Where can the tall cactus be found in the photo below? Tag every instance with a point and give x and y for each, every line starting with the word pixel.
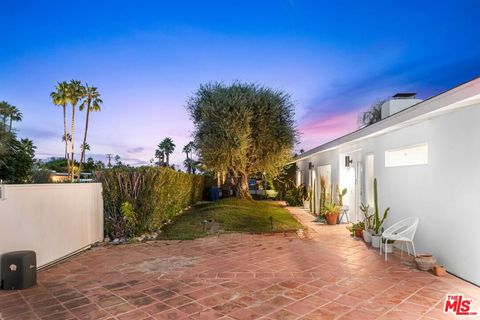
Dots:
pixel 377 223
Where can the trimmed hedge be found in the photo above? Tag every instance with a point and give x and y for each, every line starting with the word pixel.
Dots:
pixel 138 200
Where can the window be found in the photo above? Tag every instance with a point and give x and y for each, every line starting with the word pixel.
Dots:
pixel 407 156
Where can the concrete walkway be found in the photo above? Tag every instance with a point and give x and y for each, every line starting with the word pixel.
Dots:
pixel 320 274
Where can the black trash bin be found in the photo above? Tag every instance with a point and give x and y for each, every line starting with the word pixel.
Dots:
pixel 18 270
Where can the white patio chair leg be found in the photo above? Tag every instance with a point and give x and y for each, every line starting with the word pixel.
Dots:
pixel 401 250
pixel 413 247
pixel 408 248
pixel 386 243
pixel 380 246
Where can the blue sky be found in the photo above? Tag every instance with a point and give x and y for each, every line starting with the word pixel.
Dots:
pixel 147 57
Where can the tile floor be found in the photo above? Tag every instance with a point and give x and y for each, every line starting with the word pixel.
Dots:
pixel 322 273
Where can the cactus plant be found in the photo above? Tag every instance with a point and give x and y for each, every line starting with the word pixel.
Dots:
pixel 377 222
pixel 341 194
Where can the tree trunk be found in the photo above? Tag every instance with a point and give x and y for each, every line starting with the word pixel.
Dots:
pixel 168 159
pixel 65 136
pixel 82 156
pixel 242 187
pixel 10 127
pixel 73 147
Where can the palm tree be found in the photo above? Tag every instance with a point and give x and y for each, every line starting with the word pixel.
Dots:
pixel 167 146
pixel 15 115
pixel 4 112
pixel 60 98
pixel 66 139
pixel 75 93
pixel 91 102
pixel 188 150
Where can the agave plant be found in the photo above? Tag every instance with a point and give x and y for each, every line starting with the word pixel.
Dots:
pixel 330 208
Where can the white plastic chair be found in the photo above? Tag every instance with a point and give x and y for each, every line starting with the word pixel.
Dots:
pixel 404 231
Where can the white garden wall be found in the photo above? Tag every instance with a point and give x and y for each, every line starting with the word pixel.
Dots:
pixel 54 220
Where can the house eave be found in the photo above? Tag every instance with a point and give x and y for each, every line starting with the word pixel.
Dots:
pixel 462 95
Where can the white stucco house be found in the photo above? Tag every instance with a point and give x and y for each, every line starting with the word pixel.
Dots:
pixel 425 156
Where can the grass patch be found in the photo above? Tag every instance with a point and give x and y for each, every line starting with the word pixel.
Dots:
pixel 231 215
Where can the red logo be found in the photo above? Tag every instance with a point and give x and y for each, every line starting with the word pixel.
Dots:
pixel 458 305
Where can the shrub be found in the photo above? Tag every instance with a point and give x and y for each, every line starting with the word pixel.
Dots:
pixel 138 200
pixel 295 197
pixel 41 176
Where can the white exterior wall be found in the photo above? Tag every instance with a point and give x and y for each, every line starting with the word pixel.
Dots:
pixel 444 194
pixel 54 220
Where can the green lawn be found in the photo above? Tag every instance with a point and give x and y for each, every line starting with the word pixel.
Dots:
pixel 231 215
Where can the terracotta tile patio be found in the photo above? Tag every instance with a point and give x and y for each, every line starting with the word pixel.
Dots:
pixel 320 274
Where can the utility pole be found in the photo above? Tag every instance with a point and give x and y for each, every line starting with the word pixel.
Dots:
pixel 109 157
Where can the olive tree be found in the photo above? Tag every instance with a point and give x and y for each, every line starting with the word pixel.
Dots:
pixel 243 129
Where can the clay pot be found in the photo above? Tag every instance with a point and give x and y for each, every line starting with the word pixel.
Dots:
pixel 439 271
pixel 331 218
pixel 425 261
pixel 359 233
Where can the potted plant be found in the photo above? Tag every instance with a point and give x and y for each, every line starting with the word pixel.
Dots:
pixel 368 222
pixel 357 229
pixel 389 245
pixel 331 211
pixel 377 222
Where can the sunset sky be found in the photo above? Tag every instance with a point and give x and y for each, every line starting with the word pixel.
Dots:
pixel 147 58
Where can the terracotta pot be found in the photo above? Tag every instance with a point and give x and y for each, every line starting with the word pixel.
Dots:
pixel 425 261
pixel 439 271
pixel 331 218
pixel 359 233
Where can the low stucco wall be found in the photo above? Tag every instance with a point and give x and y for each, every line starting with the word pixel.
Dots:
pixel 54 220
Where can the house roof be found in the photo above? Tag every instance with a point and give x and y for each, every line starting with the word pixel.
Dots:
pixel 462 95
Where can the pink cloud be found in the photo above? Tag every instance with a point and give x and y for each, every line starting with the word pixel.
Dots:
pixel 319 131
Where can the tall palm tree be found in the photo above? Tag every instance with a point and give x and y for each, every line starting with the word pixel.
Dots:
pixel 75 94
pixel 167 146
pixel 4 110
pixel 92 103
pixel 60 98
pixel 188 150
pixel 66 139
pixel 15 115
